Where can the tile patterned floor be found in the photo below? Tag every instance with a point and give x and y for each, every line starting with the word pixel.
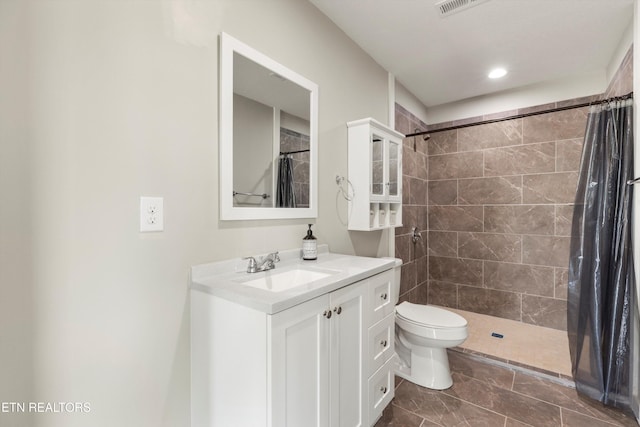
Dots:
pixel 486 394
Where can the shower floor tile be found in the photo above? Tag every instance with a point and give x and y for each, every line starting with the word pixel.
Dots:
pixel 537 347
pixel 492 395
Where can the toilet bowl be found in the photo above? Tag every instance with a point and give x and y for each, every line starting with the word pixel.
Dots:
pixel 423 334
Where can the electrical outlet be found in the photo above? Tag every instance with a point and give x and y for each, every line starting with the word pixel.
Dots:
pixel 151 214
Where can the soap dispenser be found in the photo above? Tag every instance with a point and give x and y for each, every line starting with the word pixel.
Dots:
pixel 309 245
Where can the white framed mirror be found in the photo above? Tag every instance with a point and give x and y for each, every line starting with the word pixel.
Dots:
pixel 268 133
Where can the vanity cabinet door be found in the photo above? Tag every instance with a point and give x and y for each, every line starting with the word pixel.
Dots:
pixel 348 379
pixel 299 364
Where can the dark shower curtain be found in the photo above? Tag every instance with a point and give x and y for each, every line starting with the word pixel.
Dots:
pixel 601 276
pixel 285 194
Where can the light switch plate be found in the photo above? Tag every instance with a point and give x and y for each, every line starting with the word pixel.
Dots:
pixel 151 214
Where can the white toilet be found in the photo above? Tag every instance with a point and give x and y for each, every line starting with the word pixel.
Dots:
pixel 423 334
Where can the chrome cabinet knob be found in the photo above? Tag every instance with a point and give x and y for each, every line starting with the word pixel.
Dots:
pixel 327 314
pixel 338 310
pixel 383 389
pixel 383 343
pixel 383 296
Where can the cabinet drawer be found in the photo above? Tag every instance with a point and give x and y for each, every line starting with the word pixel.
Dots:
pixel 381 390
pixel 380 296
pixel 381 343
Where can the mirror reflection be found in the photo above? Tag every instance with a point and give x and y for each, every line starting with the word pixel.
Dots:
pixel 270 138
pixel 270 151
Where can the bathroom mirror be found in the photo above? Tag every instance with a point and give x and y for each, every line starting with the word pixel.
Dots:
pixel 268 137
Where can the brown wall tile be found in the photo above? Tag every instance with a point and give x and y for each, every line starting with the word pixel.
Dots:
pixel 561 283
pixel 458 165
pixel 443 142
pixel 455 218
pixel 549 188
pixel 568 155
pixel 499 134
pixel 443 244
pixel 443 294
pixel 456 270
pixel 498 190
pixel 522 278
pixel 443 192
pixel 521 219
pixel 564 217
pixel 409 166
pixel 403 248
pixel 422 270
pixel 526 159
pixel 494 247
pixel 409 219
pixel 417 191
pixel 406 188
pixel 407 277
pixel 546 250
pixel 566 124
pixel 489 301
pixel 547 312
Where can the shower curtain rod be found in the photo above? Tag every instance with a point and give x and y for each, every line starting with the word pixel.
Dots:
pixel 294 152
pixel 520 116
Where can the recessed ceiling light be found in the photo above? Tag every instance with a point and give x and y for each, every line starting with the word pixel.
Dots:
pixel 496 73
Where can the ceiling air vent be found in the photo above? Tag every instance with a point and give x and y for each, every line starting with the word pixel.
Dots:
pixel 449 7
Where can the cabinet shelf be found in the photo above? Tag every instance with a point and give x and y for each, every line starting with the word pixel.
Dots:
pixel 375 171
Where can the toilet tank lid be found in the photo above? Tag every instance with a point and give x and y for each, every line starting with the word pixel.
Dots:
pixel 430 315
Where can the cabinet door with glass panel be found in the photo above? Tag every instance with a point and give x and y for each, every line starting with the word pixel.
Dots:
pixel 385 168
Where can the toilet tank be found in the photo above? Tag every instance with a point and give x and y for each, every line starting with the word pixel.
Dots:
pixel 397 269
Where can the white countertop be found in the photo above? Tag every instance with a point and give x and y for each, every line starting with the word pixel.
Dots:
pixel 223 279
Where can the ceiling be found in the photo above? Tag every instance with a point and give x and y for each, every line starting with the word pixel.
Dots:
pixel 446 59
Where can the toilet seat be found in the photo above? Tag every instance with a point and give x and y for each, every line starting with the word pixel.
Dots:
pixel 429 316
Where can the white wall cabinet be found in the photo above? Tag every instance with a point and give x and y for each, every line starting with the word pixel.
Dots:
pixel 314 364
pixel 375 171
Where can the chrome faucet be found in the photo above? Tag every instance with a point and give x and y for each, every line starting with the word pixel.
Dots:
pixel 265 263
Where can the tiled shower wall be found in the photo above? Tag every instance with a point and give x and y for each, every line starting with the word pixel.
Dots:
pixel 499 210
pixel 294 141
pixel 498 203
pixel 493 203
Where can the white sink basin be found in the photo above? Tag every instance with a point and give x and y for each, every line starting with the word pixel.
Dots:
pixel 275 281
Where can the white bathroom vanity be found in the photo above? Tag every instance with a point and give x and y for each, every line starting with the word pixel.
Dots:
pixel 309 343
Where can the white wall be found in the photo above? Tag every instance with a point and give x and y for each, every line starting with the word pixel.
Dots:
pixel 591 83
pixel 410 102
pixel 252 151
pixel 577 86
pixel 17 312
pixel 104 101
